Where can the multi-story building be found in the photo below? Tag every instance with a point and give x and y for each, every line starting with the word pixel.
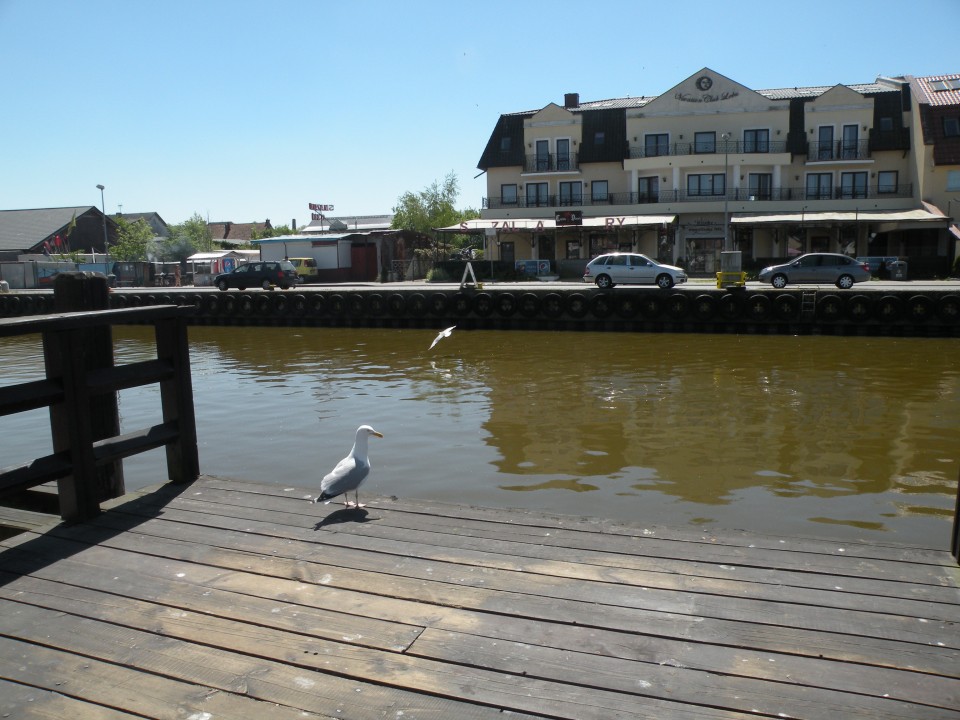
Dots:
pixel 711 165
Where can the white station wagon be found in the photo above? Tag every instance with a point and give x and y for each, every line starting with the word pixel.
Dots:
pixel 631 269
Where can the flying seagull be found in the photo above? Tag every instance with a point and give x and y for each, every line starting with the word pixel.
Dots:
pixel 443 333
pixel 349 472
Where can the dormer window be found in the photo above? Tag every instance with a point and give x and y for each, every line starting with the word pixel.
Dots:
pixel 599 137
pixel 505 144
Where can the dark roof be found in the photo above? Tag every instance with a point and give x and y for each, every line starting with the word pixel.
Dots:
pixel 21 230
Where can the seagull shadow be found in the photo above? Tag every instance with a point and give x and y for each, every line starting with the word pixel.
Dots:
pixel 345 515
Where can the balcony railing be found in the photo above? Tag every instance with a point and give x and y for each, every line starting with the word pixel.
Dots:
pixel 551 162
pixel 779 194
pixel 838 150
pixel 721 147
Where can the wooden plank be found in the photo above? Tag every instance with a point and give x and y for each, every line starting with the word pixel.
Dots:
pixel 678 621
pixel 116 448
pixel 289 670
pixel 26 702
pixel 773 699
pixel 29 396
pixel 36 472
pixel 476 692
pixel 25 519
pixel 53 322
pixel 497 554
pixel 127 689
pixel 122 377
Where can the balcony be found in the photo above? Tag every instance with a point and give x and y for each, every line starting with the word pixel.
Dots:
pixel 838 150
pixel 721 147
pixel 780 194
pixel 552 162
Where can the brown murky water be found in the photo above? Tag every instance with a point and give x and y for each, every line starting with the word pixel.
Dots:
pixel 835 437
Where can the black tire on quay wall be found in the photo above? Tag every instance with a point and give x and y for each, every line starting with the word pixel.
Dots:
pixel 859 308
pixel 483 304
pixel 704 307
pixel 336 305
pixel 460 305
pixel 263 304
pixel 437 304
pixel 356 304
pixel 552 305
pixel 318 304
pixel 212 304
pixel 650 306
pixel 757 307
pixel 786 307
pixel 529 305
pixel 298 305
pixel 830 308
pixel 397 304
pixel 729 306
pixel 948 309
pixel 626 305
pixel 280 305
pixel 375 304
pixel 245 305
pixel 601 306
pixel 889 308
pixel 506 304
pixel 922 308
pixel 229 305
pixel 577 305
pixel 417 305
pixel 678 306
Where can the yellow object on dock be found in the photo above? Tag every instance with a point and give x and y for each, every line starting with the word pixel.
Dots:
pixel 731 279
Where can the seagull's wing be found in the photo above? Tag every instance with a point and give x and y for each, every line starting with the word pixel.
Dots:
pixel 437 339
pixel 346 476
pixel 443 333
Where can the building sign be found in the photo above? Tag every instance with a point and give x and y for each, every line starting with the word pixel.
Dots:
pixel 568 217
pixel 704 83
pixel 318 210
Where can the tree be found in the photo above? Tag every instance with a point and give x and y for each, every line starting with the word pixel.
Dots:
pixel 187 238
pixel 271 232
pixel 432 207
pixel 134 240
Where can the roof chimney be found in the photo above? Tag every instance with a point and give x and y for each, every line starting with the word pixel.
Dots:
pixel 571 100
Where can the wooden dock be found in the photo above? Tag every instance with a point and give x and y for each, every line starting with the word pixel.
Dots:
pixel 227 599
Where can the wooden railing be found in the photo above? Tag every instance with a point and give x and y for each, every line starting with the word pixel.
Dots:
pixel 80 388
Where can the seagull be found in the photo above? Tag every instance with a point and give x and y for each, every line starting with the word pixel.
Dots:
pixel 442 335
pixel 349 472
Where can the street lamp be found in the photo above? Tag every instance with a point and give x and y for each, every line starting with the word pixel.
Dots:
pixel 103 210
pixel 726 194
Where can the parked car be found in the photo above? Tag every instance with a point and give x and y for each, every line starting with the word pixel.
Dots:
pixel 264 274
pixel 306 269
pixel 840 270
pixel 631 269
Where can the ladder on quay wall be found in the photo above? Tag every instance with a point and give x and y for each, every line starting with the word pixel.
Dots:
pixel 808 305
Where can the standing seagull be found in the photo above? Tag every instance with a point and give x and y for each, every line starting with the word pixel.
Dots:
pixel 443 333
pixel 349 472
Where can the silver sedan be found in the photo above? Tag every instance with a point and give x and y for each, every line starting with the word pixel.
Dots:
pixel 820 268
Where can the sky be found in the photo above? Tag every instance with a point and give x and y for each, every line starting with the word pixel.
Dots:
pixel 245 111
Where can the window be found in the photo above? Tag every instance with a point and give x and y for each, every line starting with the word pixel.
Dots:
pixel 656 145
pixel 543 155
pixel 649 190
pixel 851 138
pixel 599 137
pixel 819 186
pixel 705 142
pixel 504 144
pixel 571 193
pixel 886 124
pixel 598 191
pixel 760 186
pixel 756 141
pixel 953 180
pixel 508 194
pixel 698 185
pixel 951 126
pixel 887 181
pixel 825 143
pixel 853 185
pixel 949 84
pixel 563 154
pixel 537 195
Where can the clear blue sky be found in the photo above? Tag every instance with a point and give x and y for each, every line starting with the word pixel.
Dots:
pixel 242 110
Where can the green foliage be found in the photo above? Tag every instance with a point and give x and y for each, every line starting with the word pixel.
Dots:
pixel 438 274
pixel 433 207
pixel 134 240
pixel 189 237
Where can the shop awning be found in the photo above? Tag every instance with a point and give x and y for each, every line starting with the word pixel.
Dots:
pixel 918 215
pixel 611 222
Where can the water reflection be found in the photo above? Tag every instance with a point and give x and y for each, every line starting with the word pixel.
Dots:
pixel 812 435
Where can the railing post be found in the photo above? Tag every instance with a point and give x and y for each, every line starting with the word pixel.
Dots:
pixel 83 419
pixel 176 399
